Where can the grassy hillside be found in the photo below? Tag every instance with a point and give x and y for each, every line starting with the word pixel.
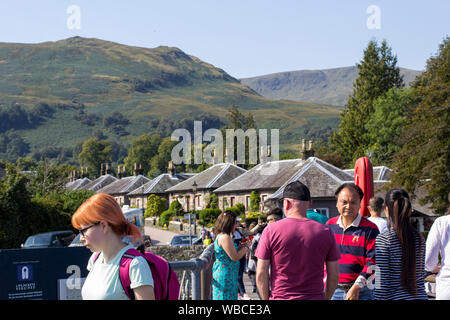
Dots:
pixel 329 86
pixel 85 81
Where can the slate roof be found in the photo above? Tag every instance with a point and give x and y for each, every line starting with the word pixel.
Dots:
pixel 211 178
pixel 77 184
pixel 270 175
pixel 379 173
pixel 380 191
pixel 99 183
pixel 161 183
pixel 124 185
pixel 319 176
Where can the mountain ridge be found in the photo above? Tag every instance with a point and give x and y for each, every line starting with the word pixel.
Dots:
pixel 79 83
pixel 325 86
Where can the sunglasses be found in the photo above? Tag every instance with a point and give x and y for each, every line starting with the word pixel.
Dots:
pixel 83 230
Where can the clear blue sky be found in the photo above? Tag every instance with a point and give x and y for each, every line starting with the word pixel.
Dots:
pixel 244 37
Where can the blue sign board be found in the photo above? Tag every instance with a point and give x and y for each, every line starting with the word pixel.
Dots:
pixel 44 273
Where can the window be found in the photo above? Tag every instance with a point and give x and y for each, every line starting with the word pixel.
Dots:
pixel 324 211
pixel 138 202
pixel 232 201
pixel 247 202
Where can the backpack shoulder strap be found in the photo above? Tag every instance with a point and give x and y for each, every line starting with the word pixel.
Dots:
pixel 124 271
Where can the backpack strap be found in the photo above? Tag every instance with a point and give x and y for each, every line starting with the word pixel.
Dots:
pixel 169 276
pixel 124 271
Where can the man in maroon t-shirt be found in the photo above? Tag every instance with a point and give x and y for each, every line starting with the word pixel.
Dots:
pixel 296 250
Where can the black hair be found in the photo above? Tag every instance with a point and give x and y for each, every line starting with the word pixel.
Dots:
pixel 352 186
pixel 399 206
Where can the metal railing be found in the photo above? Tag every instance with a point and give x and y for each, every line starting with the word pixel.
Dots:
pixel 197 284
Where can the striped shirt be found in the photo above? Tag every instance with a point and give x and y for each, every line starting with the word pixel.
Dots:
pixel 389 268
pixel 357 246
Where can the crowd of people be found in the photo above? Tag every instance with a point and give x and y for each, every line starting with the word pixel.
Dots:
pixel 306 256
pixel 296 254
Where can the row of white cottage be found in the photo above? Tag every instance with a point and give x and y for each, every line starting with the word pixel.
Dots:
pixel 233 184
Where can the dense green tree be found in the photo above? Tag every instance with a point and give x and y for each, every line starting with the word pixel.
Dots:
pixel 386 124
pixel 95 152
pixel 23 213
pixel 142 150
pixel 424 160
pixel 377 73
pixel 26 164
pixel 160 161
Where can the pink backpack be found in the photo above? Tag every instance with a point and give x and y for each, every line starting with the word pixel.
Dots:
pixel 166 285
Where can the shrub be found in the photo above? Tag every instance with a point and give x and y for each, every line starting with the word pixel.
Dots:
pixel 253 216
pixel 254 201
pixel 239 209
pixel 165 217
pixel 212 201
pixel 209 216
pixel 176 208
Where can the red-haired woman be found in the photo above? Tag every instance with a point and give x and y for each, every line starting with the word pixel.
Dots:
pixel 102 225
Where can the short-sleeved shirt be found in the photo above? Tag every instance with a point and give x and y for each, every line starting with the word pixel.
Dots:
pixel 316 216
pixel 380 222
pixel 297 250
pixel 103 282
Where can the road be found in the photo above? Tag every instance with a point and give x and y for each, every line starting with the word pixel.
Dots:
pixel 162 237
pixel 159 236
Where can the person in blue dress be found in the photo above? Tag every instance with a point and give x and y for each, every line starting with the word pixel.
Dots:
pixel 228 254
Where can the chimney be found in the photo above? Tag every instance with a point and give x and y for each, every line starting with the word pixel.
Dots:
pixel 107 168
pixel 135 169
pixel 171 169
pixel 310 149
pixel 101 169
pixel 262 157
pixel 141 171
pixel 306 153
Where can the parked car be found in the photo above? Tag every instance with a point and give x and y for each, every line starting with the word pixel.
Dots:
pixel 183 240
pixel 54 239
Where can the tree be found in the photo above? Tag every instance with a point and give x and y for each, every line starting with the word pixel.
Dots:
pixel 49 177
pixel 377 73
pixel 155 206
pixel 142 150
pixel 386 125
pixel 212 201
pixel 424 160
pixel 255 201
pixel 160 161
pixel 95 152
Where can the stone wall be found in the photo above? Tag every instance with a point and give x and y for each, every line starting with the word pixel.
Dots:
pixel 182 253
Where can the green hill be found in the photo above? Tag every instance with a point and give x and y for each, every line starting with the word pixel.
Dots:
pixel 328 86
pixel 60 93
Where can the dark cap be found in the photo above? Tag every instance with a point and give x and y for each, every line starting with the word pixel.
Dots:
pixel 297 190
